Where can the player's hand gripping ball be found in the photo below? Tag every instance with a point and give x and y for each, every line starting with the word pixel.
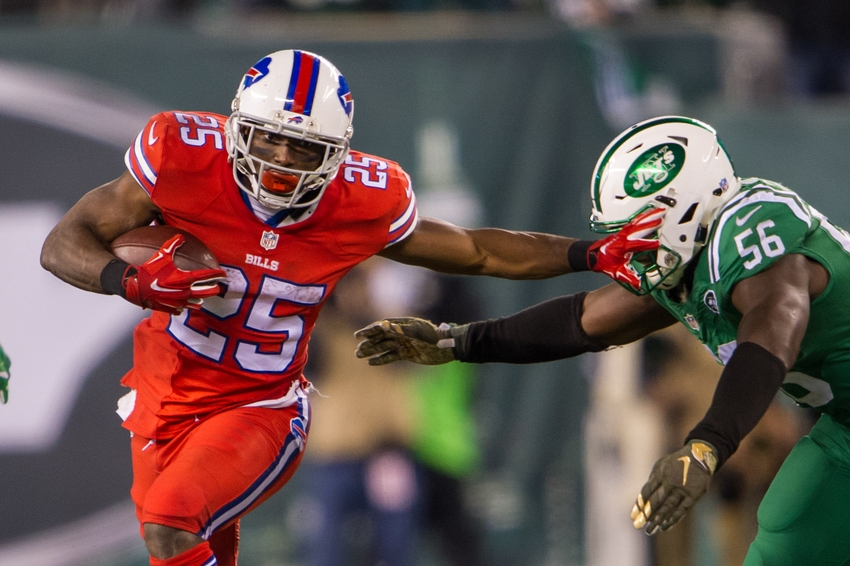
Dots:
pixel 410 339
pixel 676 482
pixel 612 255
pixel 162 278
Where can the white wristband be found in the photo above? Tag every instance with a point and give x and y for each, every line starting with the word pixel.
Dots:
pixel 445 342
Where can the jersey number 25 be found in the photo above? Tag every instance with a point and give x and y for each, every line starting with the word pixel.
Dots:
pixel 260 318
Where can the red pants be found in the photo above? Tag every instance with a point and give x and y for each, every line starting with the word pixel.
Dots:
pixel 203 480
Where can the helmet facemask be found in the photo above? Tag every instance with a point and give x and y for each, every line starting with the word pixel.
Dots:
pixel 255 175
pixel 674 163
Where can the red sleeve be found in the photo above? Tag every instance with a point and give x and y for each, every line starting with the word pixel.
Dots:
pixel 405 216
pixel 144 157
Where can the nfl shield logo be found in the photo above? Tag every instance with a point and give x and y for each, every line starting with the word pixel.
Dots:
pixel 269 240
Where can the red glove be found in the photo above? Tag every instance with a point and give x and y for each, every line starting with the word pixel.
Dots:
pixel 611 255
pixel 160 285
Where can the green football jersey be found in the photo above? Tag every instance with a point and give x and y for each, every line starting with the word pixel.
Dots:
pixel 758 226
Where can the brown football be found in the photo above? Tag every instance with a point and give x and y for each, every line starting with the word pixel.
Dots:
pixel 139 245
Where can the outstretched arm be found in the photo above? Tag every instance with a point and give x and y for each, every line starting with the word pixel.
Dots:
pixel 775 308
pixel 447 248
pixel 75 250
pixel 556 329
pixel 559 328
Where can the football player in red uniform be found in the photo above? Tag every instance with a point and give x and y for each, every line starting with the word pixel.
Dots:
pixel 217 407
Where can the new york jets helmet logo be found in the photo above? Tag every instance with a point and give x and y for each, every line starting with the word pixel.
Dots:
pixel 654 169
pixel 710 300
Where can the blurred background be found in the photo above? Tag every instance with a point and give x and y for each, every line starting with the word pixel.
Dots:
pixel 498 109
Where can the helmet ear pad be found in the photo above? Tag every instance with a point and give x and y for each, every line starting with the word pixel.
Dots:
pixel 294 94
pixel 673 162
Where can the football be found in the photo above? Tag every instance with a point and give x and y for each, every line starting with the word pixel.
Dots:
pixel 139 245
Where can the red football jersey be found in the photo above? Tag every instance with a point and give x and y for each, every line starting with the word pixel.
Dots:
pixel 248 346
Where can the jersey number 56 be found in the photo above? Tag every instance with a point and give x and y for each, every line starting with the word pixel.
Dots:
pixel 771 244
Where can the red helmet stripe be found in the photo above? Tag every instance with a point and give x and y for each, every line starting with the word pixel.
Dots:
pixel 302 85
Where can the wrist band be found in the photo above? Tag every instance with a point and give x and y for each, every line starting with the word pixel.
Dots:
pixel 577 255
pixel 454 338
pixel 112 277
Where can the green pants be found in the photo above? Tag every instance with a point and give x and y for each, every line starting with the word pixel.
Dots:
pixel 804 519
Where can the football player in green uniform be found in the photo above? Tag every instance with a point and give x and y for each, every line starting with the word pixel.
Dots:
pixel 755 273
pixel 5 364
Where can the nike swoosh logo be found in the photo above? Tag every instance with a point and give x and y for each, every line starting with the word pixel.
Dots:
pixel 152 140
pixel 155 286
pixel 741 221
pixel 687 462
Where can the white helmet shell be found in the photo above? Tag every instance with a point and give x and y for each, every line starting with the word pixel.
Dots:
pixel 299 95
pixel 670 162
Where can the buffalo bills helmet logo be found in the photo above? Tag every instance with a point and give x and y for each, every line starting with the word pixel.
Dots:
pixel 294 120
pixel 345 96
pixel 257 72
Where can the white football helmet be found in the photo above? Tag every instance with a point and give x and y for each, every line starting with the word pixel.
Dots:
pixel 297 95
pixel 670 162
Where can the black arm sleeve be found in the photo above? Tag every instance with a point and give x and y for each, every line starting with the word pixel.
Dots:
pixel 746 388
pixel 547 331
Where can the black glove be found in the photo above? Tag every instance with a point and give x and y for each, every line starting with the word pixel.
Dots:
pixel 676 482
pixel 408 338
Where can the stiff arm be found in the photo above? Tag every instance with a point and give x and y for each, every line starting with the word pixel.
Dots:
pixel 559 328
pixel 444 247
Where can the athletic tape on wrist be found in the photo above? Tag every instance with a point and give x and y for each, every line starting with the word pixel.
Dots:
pixel 446 340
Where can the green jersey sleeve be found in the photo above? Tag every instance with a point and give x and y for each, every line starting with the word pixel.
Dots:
pixel 763 223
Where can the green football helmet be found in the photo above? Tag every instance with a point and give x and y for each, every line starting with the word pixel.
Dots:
pixel 670 162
